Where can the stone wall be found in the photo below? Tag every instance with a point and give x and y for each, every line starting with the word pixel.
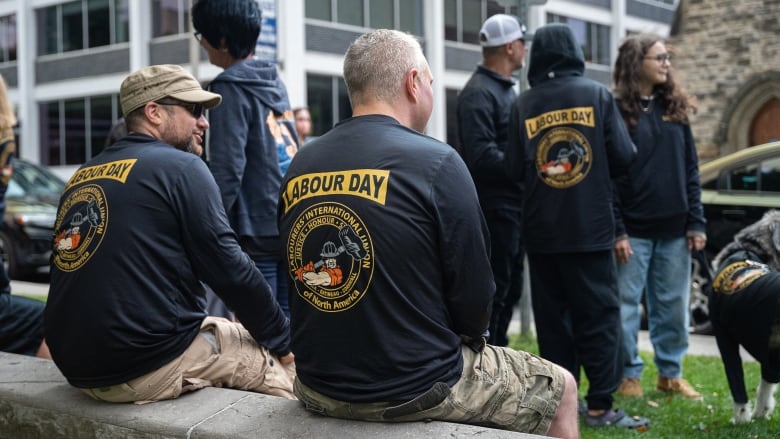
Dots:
pixel 727 57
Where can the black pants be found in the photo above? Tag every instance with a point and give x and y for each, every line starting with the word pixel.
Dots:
pixel 577 316
pixel 506 262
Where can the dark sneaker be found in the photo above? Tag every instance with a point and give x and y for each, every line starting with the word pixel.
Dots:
pixel 618 418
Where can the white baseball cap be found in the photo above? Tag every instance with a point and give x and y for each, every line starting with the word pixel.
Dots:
pixel 500 29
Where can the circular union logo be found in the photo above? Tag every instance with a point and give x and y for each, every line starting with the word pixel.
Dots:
pixel 78 231
pixel 330 256
pixel 563 157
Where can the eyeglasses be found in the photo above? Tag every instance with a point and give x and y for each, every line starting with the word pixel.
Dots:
pixel 195 109
pixel 661 57
pixel 197 36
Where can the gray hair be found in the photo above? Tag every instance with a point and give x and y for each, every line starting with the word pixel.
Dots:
pixel 376 62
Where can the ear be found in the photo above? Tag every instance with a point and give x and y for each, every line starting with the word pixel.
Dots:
pixel 410 84
pixel 153 113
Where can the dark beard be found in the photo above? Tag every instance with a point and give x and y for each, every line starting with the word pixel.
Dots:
pixel 186 147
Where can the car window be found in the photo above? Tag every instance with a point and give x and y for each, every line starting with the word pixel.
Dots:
pixel 770 175
pixel 743 179
pixel 29 179
pixel 759 177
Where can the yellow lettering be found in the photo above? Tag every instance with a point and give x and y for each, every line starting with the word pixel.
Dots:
pixel 365 183
pixel 567 116
pixel 118 170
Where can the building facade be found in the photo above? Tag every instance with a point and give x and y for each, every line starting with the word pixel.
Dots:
pixel 730 61
pixel 64 60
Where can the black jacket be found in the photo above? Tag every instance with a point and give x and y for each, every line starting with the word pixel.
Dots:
pixel 566 142
pixel 483 119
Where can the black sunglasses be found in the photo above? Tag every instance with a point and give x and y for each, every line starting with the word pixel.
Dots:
pixel 195 109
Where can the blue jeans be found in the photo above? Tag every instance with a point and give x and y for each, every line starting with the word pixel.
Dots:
pixel 661 267
pixel 276 275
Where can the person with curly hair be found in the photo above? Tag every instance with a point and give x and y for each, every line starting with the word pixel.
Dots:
pixel 658 212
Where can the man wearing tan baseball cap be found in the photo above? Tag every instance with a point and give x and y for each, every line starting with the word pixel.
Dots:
pixel 168 85
pixel 140 229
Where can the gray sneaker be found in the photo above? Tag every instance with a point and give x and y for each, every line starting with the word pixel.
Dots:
pixel 618 418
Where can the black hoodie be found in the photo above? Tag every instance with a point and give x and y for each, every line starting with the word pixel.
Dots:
pixel 566 141
pixel 251 141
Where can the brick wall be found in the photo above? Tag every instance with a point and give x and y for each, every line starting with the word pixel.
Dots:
pixel 728 56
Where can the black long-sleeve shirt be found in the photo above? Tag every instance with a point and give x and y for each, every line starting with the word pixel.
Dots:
pixel 660 196
pixel 388 254
pixel 138 228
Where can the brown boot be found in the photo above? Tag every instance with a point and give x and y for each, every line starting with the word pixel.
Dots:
pixel 630 387
pixel 678 385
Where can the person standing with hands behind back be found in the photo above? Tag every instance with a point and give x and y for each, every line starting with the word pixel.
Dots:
pixel 252 138
pixel 659 219
pixel 566 143
pixel 483 119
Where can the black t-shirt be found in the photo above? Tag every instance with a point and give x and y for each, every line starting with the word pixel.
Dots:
pixel 388 256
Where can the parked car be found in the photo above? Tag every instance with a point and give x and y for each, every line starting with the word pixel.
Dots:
pixel 31 208
pixel 737 189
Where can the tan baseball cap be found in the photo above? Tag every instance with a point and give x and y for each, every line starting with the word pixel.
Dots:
pixel 160 81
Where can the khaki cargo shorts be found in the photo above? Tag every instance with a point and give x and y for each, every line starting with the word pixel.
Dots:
pixel 499 387
pixel 223 354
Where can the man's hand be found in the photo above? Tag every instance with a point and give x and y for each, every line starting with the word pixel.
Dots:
pixel 623 250
pixel 287 359
pixel 696 242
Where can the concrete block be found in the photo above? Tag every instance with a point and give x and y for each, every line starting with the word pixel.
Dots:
pixel 37 402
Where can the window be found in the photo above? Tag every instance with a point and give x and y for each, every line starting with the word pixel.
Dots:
pixel 665 2
pixel 8 38
pixel 405 15
pixel 75 130
pixel 328 102
pixel 170 17
pixel 770 175
pixel 463 18
pixel 593 38
pixel 757 177
pixel 81 24
pixel 744 179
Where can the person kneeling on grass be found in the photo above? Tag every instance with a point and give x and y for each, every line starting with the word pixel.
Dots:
pixel 745 311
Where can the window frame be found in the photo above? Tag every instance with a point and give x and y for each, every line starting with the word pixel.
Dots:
pixel 44 31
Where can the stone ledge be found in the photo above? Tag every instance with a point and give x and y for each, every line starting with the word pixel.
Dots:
pixel 37 402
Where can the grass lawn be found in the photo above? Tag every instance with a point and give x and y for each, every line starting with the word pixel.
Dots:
pixel 675 416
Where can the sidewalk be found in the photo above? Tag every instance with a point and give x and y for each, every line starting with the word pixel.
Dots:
pixel 697 344
pixel 29 288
